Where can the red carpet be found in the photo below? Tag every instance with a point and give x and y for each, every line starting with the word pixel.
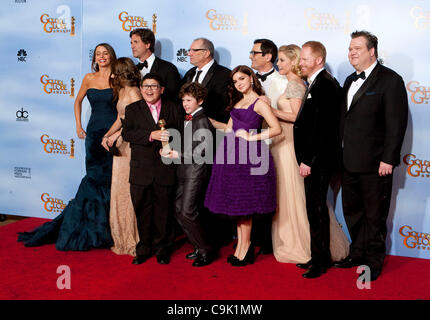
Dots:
pixel 31 273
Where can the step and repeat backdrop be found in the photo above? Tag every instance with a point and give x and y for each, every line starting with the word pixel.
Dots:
pixel 47 47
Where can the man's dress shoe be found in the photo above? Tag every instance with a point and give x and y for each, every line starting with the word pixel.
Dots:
pixel 314 272
pixel 193 255
pixel 204 259
pixel 163 259
pixel 374 274
pixel 304 265
pixel 348 262
pixel 140 259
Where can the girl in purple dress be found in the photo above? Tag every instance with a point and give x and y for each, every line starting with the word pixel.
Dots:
pixel 243 180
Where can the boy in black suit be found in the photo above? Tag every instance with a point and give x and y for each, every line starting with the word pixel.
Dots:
pixel 193 172
pixel 151 181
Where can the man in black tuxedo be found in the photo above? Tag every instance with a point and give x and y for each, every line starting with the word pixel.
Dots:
pixel 151 181
pixel 142 45
pixel 373 124
pixel 315 142
pixel 214 77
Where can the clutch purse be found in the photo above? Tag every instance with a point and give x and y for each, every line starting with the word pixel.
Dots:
pixel 114 150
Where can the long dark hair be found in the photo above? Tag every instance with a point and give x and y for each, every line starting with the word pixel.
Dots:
pixel 234 95
pixel 94 65
pixel 125 73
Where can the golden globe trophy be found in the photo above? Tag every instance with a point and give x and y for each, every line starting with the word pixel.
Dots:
pixel 72 88
pixel 154 23
pixel 166 147
pixel 72 148
pixel 72 31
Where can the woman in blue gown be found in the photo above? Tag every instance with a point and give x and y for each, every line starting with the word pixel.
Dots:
pixel 84 223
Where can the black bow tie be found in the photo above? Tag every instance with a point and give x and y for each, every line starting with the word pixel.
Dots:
pixel 356 76
pixel 263 77
pixel 140 65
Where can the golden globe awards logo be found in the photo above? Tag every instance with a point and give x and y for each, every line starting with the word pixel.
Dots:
pixel 51 204
pixel 226 22
pixel 420 17
pixel 417 167
pixel 56 86
pixel 57 25
pixel 419 94
pixel 325 21
pixel 57 146
pixel 130 22
pixel 414 239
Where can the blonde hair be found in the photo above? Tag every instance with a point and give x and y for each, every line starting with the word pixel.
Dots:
pixel 292 52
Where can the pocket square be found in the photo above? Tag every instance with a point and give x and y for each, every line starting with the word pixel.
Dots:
pixel 309 96
pixel 370 93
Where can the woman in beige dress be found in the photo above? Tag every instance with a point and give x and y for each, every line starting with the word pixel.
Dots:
pixel 125 82
pixel 290 228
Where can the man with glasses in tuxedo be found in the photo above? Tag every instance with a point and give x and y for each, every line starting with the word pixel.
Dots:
pixel 263 56
pixel 214 77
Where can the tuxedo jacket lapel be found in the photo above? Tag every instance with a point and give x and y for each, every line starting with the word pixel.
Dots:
pixel 147 114
pixel 155 66
pixel 308 90
pixel 190 75
pixel 209 75
pixel 366 85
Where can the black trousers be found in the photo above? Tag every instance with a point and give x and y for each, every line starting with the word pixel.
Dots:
pixel 366 203
pixel 189 210
pixel 154 208
pixel 316 188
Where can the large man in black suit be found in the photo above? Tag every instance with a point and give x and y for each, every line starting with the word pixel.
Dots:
pixel 373 123
pixel 151 180
pixel 142 45
pixel 214 77
pixel 315 142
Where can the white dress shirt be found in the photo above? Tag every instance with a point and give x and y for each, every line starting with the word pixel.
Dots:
pixel 150 62
pixel 204 70
pixel 355 85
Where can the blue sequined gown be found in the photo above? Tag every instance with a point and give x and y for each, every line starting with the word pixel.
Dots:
pixel 84 222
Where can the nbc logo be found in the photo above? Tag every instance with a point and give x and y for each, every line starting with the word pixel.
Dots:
pixel 182 55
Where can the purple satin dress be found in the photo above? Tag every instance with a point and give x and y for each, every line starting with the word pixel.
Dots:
pixel 243 180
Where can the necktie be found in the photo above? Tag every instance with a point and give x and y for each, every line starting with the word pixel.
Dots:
pixel 198 75
pixel 154 112
pixel 263 77
pixel 356 76
pixel 141 65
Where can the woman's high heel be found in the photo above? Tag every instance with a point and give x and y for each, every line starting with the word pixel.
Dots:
pixel 249 258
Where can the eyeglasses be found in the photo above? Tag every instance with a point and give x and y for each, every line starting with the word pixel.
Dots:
pixel 195 50
pixel 253 53
pixel 150 86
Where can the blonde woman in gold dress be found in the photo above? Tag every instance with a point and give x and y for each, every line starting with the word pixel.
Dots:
pixel 290 228
pixel 125 82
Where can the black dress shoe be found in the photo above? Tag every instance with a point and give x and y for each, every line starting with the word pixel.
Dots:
pixel 193 255
pixel 374 274
pixel 140 259
pixel 163 259
pixel 249 258
pixel 348 262
pixel 314 272
pixel 304 265
pixel 204 259
pixel 230 258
